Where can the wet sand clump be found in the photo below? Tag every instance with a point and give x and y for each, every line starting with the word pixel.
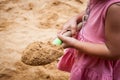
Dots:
pixel 41 53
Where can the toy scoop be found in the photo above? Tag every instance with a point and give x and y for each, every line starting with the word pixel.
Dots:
pixel 42 53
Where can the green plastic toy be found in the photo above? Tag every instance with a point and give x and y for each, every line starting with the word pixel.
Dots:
pixel 57 41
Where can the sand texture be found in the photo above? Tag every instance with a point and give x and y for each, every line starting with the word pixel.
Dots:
pixel 41 53
pixel 23 22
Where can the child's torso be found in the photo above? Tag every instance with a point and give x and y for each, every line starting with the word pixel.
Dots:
pixel 93 68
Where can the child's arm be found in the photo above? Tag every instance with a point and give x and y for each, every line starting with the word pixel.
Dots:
pixel 112 29
pixel 92 49
pixel 111 48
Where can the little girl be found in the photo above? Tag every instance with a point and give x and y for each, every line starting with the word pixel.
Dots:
pixel 94 53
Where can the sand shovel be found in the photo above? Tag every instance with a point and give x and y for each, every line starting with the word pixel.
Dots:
pixel 41 53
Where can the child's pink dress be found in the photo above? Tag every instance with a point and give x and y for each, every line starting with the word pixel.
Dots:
pixel 84 67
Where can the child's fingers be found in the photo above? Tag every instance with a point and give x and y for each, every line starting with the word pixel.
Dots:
pixel 66 28
pixel 61 37
pixel 64 38
pixel 68 41
pixel 74 30
pixel 63 31
pixel 59 31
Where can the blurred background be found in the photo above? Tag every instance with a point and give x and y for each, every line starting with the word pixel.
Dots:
pixel 25 21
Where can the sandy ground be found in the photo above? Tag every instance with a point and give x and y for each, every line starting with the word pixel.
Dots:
pixel 25 21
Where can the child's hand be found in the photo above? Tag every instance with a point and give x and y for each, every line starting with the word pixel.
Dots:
pixel 71 25
pixel 68 42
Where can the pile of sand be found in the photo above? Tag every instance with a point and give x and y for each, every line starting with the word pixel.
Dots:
pixel 41 53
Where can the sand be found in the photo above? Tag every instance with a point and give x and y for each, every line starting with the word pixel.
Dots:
pixel 23 22
pixel 41 53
